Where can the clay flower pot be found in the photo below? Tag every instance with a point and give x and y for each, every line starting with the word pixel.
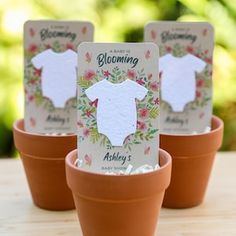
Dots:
pixel 125 205
pixel 192 157
pixel 43 158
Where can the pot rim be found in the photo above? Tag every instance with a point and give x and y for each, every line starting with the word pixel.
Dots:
pixel 74 152
pixel 40 145
pixel 19 122
pixel 118 188
pixel 192 145
pixel 215 130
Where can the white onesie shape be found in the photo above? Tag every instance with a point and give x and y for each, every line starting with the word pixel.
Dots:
pixel 178 83
pixel 58 75
pixel 116 110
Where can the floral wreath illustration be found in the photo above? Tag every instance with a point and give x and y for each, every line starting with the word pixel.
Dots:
pixel 32 80
pixel 203 81
pixel 147 109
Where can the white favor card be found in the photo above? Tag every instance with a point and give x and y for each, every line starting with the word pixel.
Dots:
pixel 185 67
pixel 118 106
pixel 50 76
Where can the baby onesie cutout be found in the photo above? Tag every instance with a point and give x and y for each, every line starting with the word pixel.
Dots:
pixel 58 75
pixel 178 83
pixel 116 109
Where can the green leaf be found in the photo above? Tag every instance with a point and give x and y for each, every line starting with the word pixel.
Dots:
pixel 153 131
pixel 84 83
pixel 153 113
pixel 94 135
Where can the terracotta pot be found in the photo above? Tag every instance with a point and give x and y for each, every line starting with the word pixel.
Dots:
pixel 43 158
pixel 125 205
pixel 192 157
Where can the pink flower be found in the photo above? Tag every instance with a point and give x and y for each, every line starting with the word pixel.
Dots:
pixel 88 159
pixel 157 101
pixel 94 103
pixel 140 81
pixel 198 94
pixel 89 75
pixel 33 48
pixel 70 46
pixel 143 113
pixel 189 49
pixel 86 132
pixel 37 72
pixel 141 125
pixel 154 86
pixel 168 49
pixel 106 73
pixel 200 83
pixel 131 74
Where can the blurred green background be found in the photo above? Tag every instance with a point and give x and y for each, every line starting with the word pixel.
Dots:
pixel 116 20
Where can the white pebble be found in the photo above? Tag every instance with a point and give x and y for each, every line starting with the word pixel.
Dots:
pixel 207 129
pixel 128 170
pixel 143 169
pixel 110 173
pixel 157 167
pixel 78 162
pixel 56 134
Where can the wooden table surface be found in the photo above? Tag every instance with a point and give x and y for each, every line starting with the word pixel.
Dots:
pixel 216 216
